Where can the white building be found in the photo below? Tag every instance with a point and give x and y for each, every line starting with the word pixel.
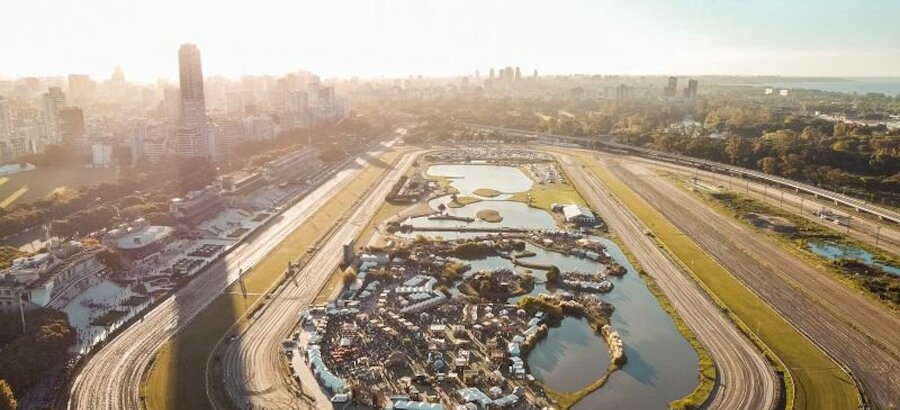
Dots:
pixel 578 215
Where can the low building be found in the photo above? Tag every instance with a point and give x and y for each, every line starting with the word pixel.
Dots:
pixel 197 206
pixel 294 166
pixel 9 295
pixel 138 239
pixel 41 277
pixel 241 182
pixel 578 215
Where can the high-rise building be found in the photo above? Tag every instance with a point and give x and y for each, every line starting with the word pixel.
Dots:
pixel 81 89
pixel 117 82
pixel 71 124
pixel 193 134
pixel 691 90
pixel 672 87
pixel 52 101
pixel 491 74
pixel 518 74
pixel 6 125
pixel 535 75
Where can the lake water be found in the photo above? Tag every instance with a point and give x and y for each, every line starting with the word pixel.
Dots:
pixel 468 178
pixel 832 251
pixel 887 86
pixel 662 365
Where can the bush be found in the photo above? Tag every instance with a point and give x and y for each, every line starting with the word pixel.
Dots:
pixel 349 276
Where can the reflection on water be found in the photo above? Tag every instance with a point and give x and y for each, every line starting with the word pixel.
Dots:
pixel 570 357
pixel 467 178
pixel 662 365
pixel 832 251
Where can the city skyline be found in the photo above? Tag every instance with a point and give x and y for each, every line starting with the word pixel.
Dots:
pixel 434 39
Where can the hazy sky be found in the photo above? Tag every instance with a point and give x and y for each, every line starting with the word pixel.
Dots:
pixel 398 38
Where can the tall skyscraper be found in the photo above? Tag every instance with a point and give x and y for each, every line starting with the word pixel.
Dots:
pixel 81 89
pixel 6 125
pixel 117 82
pixel 193 134
pixel 672 87
pixel 691 90
pixel 53 100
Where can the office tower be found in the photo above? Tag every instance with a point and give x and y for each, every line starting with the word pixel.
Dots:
pixel 518 74
pixel 81 89
pixel 71 124
pixel 117 82
pixel 691 90
pixel 53 100
pixel 6 125
pixel 535 73
pixel 193 135
pixel 491 74
pixel 623 91
pixel 672 87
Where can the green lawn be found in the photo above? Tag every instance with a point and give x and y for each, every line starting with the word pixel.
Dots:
pixel 177 380
pixel 33 185
pixel 813 379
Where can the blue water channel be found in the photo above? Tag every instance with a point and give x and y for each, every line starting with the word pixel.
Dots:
pixel 662 365
pixel 832 251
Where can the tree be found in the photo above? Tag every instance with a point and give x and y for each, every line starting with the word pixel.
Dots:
pixel 737 149
pixel 768 165
pixel 7 400
pixel 554 277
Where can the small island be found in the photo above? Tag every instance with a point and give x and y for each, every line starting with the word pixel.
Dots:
pixel 489 215
pixel 487 192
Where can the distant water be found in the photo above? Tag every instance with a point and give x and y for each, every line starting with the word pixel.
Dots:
pixel 887 86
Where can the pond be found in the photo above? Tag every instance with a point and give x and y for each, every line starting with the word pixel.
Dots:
pixel 833 250
pixel 468 178
pixel 570 357
pixel 662 365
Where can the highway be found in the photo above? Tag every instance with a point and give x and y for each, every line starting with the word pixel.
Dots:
pixel 112 377
pixel 855 330
pixel 856 225
pixel 254 373
pixel 855 203
pixel 745 380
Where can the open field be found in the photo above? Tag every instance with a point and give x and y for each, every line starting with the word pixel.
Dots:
pixel 178 376
pixel 817 381
pixel 543 196
pixel 33 185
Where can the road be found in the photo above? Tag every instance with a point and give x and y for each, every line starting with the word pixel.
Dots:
pixel 858 332
pixel 254 376
pixel 745 378
pixel 858 226
pixel 111 379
